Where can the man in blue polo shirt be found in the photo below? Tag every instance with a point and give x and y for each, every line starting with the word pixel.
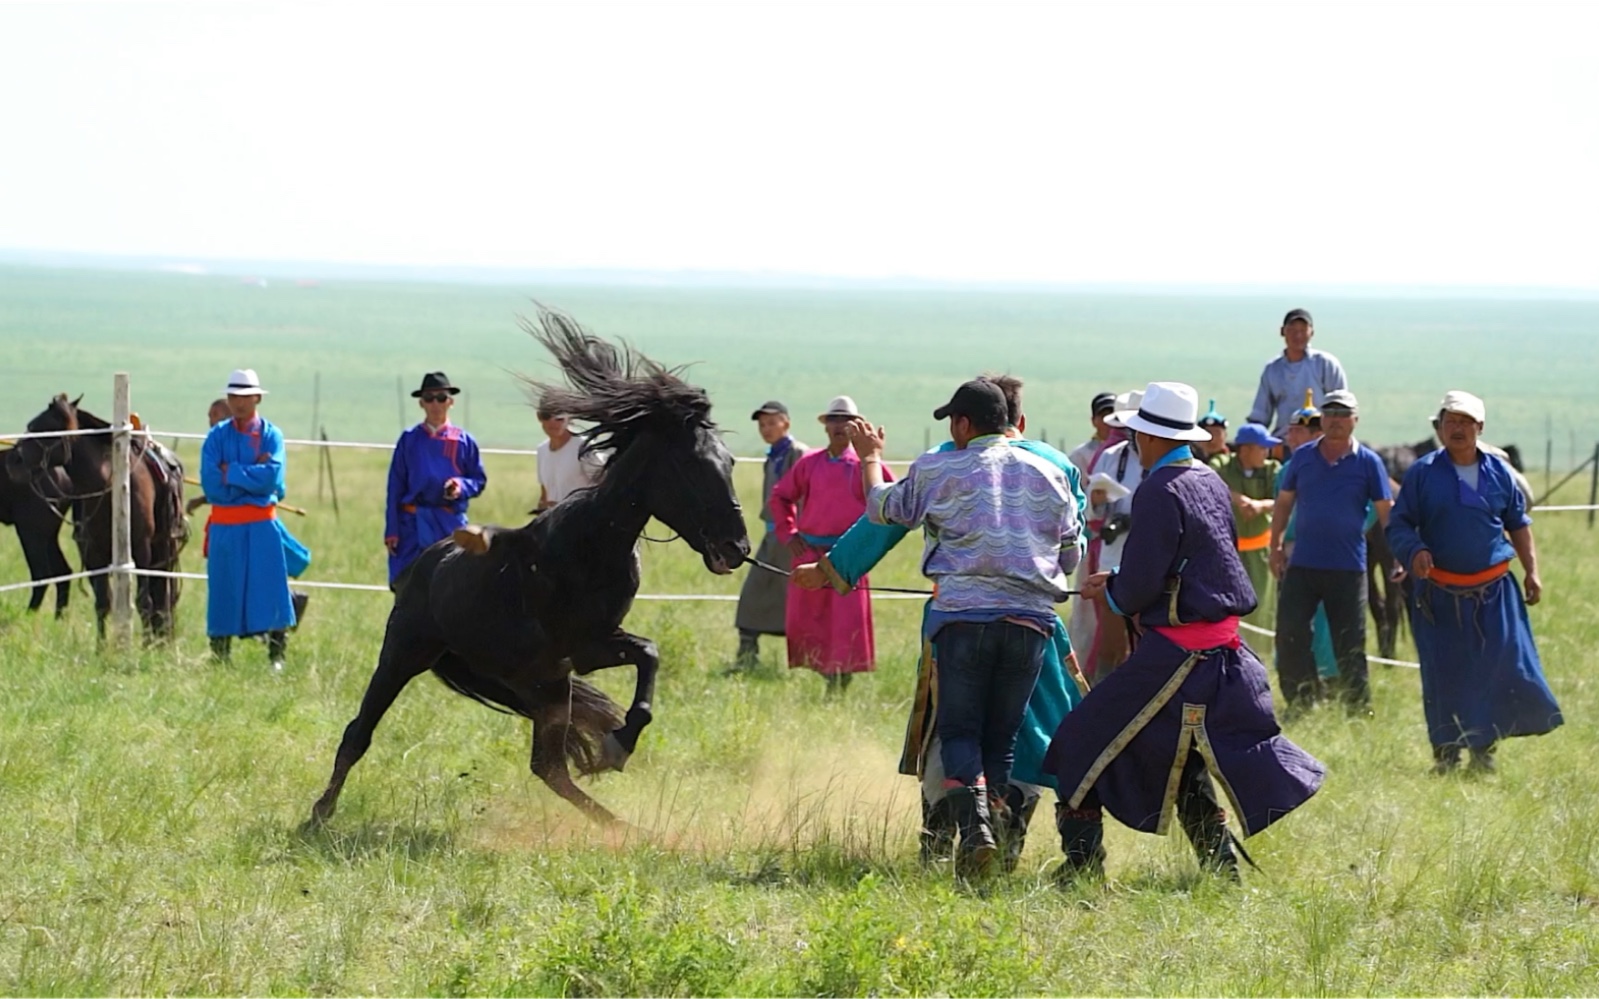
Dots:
pixel 1326 486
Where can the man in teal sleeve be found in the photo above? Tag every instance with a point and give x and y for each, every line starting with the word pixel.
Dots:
pixel 1058 689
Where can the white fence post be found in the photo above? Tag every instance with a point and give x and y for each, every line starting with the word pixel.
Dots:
pixel 121 517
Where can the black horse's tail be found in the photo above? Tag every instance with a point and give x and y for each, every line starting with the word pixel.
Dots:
pixel 572 714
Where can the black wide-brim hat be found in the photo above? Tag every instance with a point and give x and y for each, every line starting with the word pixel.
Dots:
pixel 435 381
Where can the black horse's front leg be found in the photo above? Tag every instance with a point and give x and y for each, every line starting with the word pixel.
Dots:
pixel 621 649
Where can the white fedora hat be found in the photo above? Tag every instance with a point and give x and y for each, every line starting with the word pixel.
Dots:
pixel 842 405
pixel 1169 410
pixel 1126 405
pixel 244 381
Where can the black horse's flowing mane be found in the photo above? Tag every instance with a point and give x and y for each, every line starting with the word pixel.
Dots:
pixel 614 387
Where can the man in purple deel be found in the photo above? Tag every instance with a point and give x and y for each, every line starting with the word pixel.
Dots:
pixel 1192 702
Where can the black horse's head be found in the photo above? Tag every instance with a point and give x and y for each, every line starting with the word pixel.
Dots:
pixel 658 432
pixel 34 455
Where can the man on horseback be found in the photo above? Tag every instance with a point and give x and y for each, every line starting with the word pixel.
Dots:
pixel 247 569
pixel 1287 376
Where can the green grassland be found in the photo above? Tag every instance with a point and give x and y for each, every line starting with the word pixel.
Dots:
pixel 151 804
pixel 898 352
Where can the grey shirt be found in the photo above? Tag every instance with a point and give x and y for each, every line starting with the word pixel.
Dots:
pixel 1283 384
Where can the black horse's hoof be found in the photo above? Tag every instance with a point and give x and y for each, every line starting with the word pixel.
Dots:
pixel 612 755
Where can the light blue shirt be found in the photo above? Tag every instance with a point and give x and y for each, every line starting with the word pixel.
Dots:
pixel 1283 384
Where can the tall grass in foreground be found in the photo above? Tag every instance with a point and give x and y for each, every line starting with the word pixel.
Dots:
pixel 152 803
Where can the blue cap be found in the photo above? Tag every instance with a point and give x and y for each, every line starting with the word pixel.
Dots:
pixel 1254 433
pixel 1213 418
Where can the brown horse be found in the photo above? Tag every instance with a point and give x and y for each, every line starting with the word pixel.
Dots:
pixel 155 499
pixel 36 509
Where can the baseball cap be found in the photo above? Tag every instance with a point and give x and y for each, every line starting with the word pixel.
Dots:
pixel 977 400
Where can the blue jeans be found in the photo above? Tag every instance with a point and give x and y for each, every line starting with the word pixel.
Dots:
pixel 986 674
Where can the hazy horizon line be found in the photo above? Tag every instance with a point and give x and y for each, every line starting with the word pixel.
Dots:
pixel 690 277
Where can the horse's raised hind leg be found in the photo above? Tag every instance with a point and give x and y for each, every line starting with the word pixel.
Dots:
pixel 622 649
pixel 549 765
pixel 396 668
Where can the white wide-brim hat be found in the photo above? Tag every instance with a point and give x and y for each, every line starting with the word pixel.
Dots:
pixel 1126 405
pixel 244 381
pixel 841 405
pixel 1169 410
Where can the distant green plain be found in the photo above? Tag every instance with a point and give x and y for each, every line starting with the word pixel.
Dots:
pixel 899 353
pixel 152 799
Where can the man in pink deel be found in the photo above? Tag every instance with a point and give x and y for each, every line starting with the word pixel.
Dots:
pixel 812 506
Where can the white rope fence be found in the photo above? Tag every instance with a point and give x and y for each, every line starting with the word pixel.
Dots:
pixel 373 588
pixel 55 579
pixel 123 569
pixel 368 446
pixel 1370 658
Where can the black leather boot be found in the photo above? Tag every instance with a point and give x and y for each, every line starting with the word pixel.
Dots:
pixel 1011 813
pixel 969 805
pixel 277 645
pixel 1082 842
pixel 938 831
pixel 749 651
pixel 1213 844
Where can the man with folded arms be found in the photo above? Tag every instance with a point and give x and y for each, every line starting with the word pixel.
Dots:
pixel 1459 521
pixel 247 568
pixel 1192 702
pixel 1004 525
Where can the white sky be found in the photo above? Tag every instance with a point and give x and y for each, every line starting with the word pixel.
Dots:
pixel 1263 143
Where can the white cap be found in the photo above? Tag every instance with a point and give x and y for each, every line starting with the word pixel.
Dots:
pixel 1456 401
pixel 244 381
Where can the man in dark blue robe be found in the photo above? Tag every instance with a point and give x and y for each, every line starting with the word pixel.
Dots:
pixel 435 472
pixel 1192 703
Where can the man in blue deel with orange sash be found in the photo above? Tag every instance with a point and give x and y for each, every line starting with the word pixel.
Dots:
pixel 1460 521
pixel 250 555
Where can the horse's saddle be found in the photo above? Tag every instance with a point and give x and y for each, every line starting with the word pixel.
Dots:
pixel 166 468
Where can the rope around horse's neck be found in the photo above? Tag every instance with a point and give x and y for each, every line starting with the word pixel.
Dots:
pixel 751 560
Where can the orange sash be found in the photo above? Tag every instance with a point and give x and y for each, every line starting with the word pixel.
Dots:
pixel 1467 580
pixel 1256 542
pixel 243 513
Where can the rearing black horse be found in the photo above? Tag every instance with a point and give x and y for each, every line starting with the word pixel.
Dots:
pixel 507 616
